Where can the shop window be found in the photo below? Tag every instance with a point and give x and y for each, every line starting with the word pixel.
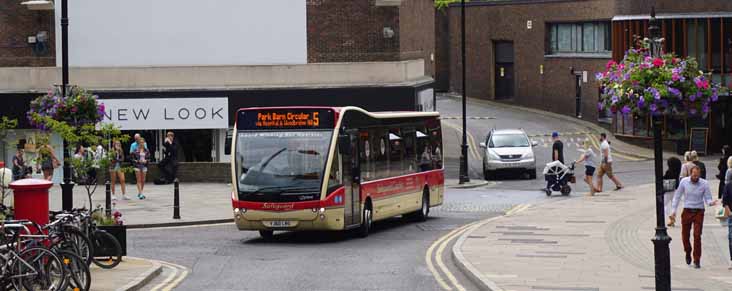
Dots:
pixel 675 127
pixel 583 37
pixel 697 41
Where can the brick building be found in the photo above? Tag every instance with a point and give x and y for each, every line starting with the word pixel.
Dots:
pixel 376 54
pixel 544 54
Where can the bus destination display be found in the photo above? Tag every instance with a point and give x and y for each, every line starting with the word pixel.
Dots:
pixel 286 119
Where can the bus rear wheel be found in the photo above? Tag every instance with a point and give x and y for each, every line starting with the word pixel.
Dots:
pixel 266 234
pixel 366 222
pixel 424 211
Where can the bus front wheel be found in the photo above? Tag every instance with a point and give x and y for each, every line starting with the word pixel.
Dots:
pixel 266 234
pixel 366 222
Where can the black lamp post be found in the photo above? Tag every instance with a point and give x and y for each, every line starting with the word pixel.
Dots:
pixel 464 176
pixel 661 240
pixel 67 187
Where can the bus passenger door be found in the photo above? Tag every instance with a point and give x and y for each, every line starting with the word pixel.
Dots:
pixel 352 182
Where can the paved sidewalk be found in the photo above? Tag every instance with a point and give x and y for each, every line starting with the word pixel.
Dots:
pixel 130 274
pixel 199 202
pixel 589 244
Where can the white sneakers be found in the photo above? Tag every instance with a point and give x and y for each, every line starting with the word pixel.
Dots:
pixel 125 197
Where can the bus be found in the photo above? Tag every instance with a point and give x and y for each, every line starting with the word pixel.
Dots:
pixel 325 168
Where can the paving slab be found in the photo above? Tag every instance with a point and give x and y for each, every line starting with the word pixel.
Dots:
pixel 131 274
pixel 588 243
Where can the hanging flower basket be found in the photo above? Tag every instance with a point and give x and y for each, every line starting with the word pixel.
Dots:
pixel 641 84
pixel 79 108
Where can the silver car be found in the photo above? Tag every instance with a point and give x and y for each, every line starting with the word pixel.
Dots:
pixel 508 149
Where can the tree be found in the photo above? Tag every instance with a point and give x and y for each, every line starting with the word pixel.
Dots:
pixel 76 119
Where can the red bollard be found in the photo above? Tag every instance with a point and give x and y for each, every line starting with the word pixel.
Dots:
pixel 31 200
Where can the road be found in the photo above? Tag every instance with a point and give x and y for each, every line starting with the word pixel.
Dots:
pixel 399 255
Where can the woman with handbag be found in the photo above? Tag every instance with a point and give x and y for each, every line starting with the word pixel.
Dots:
pixel 727 204
pixel 47 161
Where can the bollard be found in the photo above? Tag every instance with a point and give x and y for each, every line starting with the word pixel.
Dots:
pixel 176 200
pixel 108 199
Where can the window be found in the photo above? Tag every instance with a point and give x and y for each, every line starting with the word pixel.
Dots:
pixel 583 37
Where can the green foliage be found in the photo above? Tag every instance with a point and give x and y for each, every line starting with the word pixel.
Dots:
pixel 6 124
pixel 442 4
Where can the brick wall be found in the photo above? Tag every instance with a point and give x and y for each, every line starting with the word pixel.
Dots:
pixel 555 89
pixel 417 32
pixel 16 24
pixel 187 173
pixel 351 31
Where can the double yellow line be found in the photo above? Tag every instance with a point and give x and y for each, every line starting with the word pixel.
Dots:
pixel 440 245
pixel 178 273
pixel 471 140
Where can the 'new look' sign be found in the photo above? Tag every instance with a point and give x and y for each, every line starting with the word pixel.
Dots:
pixel 172 113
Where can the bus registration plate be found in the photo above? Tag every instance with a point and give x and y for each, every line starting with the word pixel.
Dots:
pixel 279 223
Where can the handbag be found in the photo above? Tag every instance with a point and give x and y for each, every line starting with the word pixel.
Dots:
pixel 727 211
pixel 721 213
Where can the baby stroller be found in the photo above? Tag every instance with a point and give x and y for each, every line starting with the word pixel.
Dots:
pixel 558 177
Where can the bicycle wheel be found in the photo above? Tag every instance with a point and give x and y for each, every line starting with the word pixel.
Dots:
pixel 76 241
pixel 107 250
pixel 78 277
pixel 37 269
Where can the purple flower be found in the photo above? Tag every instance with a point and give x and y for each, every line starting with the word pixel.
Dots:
pixel 641 103
pixel 654 92
pixel 614 99
pixel 692 111
pixel 599 76
pixel 693 97
pixel 625 110
pixel 674 91
pixel 705 108
pixel 600 106
pixel 653 107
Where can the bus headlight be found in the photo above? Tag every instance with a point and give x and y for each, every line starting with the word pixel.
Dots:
pixel 315 210
pixel 236 211
pixel 322 210
pixel 322 217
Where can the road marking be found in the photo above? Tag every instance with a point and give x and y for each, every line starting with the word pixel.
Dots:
pixel 441 264
pixel 471 140
pixel 173 279
pixel 428 257
pixel 182 226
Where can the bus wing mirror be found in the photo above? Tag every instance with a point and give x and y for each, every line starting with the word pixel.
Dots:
pixel 344 144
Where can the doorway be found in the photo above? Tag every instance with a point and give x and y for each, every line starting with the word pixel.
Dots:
pixel 504 69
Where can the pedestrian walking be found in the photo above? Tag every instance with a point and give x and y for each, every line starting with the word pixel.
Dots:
pixel 47 161
pixel 688 164
pixel 696 194
pixel 723 166
pixel 672 173
pixel 606 166
pixel 590 159
pixel 700 164
pixel 727 203
pixel 117 156
pixel 140 158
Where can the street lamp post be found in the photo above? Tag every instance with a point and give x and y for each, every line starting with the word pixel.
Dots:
pixel 67 187
pixel 464 176
pixel 661 240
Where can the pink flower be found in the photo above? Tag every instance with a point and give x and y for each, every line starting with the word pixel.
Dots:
pixel 702 83
pixel 610 64
pixel 658 62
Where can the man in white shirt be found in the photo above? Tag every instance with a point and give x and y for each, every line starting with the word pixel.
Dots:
pixel 606 166
pixel 697 196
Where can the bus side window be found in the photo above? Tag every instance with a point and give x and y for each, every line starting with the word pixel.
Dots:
pixel 410 154
pixel 436 142
pixel 424 150
pixel 396 153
